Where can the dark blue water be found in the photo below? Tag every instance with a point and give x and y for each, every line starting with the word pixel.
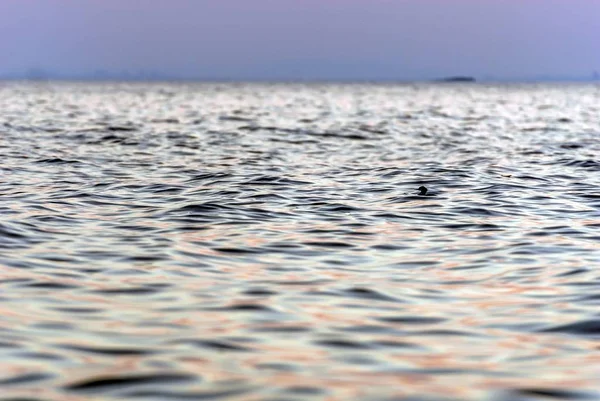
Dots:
pixel 269 242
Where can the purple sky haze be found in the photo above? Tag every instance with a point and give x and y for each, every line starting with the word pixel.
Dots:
pixel 303 39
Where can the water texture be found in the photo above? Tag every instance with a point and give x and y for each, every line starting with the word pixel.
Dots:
pixel 268 242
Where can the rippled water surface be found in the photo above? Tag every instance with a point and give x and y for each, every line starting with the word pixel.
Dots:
pixel 268 242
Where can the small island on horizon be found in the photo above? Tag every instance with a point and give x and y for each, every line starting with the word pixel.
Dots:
pixel 458 78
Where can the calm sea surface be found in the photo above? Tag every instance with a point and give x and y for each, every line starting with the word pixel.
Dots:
pixel 268 242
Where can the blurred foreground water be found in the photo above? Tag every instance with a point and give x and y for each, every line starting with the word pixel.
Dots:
pixel 267 242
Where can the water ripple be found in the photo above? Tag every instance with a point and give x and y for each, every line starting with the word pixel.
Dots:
pixel 270 242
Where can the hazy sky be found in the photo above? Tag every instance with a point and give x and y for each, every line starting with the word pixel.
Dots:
pixel 304 39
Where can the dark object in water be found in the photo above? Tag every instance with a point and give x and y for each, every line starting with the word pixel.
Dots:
pixel 423 190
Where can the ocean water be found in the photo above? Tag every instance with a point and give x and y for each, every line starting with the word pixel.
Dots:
pixel 269 242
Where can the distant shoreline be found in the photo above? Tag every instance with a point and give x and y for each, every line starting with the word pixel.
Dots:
pixel 175 80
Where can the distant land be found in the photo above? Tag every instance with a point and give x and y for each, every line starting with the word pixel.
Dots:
pixel 457 79
pixel 36 74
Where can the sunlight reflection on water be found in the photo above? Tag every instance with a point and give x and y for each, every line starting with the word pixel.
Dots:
pixel 268 242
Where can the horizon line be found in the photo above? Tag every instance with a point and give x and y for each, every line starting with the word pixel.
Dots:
pixel 441 81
